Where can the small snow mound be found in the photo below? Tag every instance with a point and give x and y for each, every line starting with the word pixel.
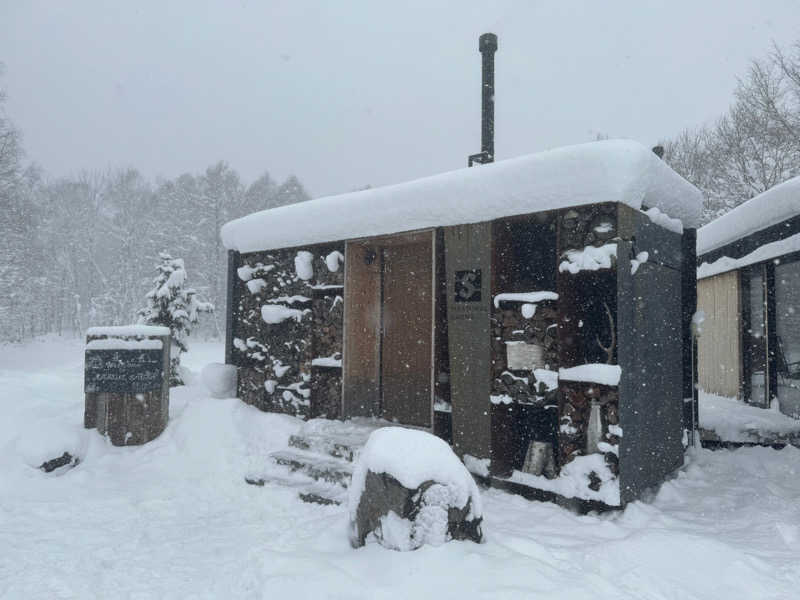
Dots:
pixel 49 439
pixel 220 380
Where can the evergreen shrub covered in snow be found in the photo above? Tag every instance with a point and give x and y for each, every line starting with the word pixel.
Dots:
pixel 172 305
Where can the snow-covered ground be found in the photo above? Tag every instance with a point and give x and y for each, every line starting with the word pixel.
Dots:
pixel 174 519
pixel 735 421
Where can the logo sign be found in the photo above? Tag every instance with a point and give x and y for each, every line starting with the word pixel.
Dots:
pixel 123 371
pixel 468 286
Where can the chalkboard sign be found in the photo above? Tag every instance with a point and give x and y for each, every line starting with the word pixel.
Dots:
pixel 123 371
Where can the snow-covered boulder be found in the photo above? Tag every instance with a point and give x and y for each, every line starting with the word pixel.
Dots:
pixel 220 380
pixel 409 489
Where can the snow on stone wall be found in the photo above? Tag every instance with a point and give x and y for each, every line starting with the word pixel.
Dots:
pixel 293 315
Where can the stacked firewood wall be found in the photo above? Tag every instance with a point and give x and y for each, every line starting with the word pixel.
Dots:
pixel 521 400
pixel 326 369
pixel 510 326
pixel 587 331
pixel 286 315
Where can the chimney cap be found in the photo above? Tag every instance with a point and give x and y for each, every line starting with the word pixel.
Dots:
pixel 487 43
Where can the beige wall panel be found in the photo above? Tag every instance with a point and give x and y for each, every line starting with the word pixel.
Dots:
pixel 719 345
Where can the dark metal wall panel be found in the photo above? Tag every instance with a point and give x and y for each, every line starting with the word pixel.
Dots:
pixel 468 257
pixel 650 351
pixel 231 308
pixel 689 307
pixel 662 245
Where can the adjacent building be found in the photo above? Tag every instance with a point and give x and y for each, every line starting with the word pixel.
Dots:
pixel 749 291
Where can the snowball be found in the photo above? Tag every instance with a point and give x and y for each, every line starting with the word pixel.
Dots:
pixel 303 265
pixel 220 380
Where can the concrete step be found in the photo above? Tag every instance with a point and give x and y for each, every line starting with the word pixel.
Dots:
pixel 333 446
pixel 308 490
pixel 315 466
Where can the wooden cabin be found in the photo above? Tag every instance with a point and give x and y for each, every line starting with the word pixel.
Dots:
pixel 532 312
pixel 749 289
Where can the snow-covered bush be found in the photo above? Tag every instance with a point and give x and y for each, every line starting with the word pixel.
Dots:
pixel 172 305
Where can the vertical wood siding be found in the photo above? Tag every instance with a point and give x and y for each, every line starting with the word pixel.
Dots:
pixel 719 344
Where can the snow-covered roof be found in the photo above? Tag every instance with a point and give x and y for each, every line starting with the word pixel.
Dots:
pixel 608 171
pixel 760 254
pixel 768 208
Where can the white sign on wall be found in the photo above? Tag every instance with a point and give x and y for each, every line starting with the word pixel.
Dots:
pixel 521 356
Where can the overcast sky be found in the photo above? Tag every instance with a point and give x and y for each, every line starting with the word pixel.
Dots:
pixel 347 93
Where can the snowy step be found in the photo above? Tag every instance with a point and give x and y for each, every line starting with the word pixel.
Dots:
pixel 315 466
pixel 336 447
pixel 308 490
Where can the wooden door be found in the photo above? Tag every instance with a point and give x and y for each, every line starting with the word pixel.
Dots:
pixel 362 325
pixel 407 328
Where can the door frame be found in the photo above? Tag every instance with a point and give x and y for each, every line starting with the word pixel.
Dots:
pixel 382 241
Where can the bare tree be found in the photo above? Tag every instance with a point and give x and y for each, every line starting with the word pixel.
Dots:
pixel 753 147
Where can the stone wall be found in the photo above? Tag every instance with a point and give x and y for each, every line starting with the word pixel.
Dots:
pixel 287 330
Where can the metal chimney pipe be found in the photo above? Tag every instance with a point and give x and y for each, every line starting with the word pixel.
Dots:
pixel 487 45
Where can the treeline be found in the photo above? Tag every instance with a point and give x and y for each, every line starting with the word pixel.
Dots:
pixel 81 251
pixel 752 147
